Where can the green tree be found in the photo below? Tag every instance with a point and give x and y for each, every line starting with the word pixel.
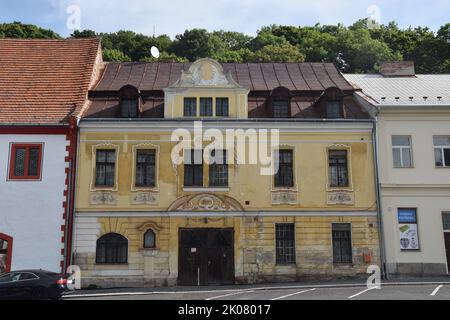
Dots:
pixel 84 34
pixel 115 55
pixel 25 31
pixel 283 53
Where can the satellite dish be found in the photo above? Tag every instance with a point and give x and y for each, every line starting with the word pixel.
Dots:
pixel 155 52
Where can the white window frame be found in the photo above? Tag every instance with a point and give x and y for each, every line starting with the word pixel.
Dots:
pixel 441 149
pixel 400 148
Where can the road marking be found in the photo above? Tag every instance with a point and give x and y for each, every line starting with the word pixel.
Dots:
pixel 361 292
pixel 436 290
pixel 293 294
pixel 230 294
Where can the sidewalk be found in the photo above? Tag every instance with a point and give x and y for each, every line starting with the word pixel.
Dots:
pixel 265 286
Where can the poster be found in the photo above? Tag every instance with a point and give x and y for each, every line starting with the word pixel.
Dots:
pixel 407 226
pixel 409 239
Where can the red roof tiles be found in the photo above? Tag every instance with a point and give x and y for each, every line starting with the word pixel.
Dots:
pixel 45 81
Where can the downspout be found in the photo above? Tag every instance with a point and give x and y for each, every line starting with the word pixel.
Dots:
pixel 73 136
pixel 384 272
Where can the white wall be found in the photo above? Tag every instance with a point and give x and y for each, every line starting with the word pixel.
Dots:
pixel 424 186
pixel 32 211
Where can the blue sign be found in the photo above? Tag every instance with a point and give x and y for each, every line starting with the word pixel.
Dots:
pixel 407 216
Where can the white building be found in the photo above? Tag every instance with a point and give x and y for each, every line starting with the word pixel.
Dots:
pixel 43 87
pixel 413 138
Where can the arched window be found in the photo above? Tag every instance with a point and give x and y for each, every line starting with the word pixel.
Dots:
pixel 281 102
pixel 129 97
pixel 331 103
pixel 112 248
pixel 149 239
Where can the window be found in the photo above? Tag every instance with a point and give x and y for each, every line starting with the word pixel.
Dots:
pixel 128 108
pixel 222 107
pixel 281 109
pixel 190 107
pixel 333 109
pixel 145 168
pixel 285 175
pixel 25 163
pixel 401 151
pixel 442 151
pixel 218 169
pixel 105 165
pixel 407 225
pixel 342 243
pixel 285 243
pixel 446 220
pixel 149 239
pixel 112 248
pixel 193 168
pixel 206 109
pixel 338 169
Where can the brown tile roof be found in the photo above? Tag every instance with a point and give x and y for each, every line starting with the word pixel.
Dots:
pixel 45 81
pixel 156 76
pixel 305 80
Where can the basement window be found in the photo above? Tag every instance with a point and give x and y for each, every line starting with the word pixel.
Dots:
pixel 285 243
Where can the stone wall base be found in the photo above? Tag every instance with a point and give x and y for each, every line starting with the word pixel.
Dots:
pixel 417 269
pixel 139 282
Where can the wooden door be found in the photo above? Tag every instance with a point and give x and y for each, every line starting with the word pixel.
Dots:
pixel 206 256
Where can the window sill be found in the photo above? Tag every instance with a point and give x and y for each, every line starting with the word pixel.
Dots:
pixel 206 189
pixel 24 179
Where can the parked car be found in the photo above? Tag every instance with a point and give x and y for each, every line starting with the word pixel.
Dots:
pixel 32 284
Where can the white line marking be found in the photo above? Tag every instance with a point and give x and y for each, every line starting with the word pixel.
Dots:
pixel 436 290
pixel 293 294
pixel 230 294
pixel 361 292
pixel 287 287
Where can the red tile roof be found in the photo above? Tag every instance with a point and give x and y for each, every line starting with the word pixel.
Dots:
pixel 45 81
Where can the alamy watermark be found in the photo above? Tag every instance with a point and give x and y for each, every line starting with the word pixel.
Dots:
pixel 250 146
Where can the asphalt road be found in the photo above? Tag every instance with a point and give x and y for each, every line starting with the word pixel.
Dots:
pixel 403 291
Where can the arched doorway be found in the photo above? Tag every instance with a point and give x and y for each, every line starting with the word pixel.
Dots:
pixel 6 243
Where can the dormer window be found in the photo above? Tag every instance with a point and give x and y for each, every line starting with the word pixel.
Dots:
pixel 281 109
pixel 280 102
pixel 128 108
pixel 333 109
pixel 331 103
pixel 129 98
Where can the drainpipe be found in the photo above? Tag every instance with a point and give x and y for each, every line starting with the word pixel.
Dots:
pixel 384 272
pixel 71 176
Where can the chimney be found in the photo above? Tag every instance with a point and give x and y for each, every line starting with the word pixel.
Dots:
pixel 398 69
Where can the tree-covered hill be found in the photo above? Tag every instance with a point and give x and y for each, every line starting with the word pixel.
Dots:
pixel 356 48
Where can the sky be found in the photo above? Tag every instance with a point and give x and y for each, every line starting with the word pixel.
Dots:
pixel 173 17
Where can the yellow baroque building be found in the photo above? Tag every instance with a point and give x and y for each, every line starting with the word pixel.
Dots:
pixel 147 215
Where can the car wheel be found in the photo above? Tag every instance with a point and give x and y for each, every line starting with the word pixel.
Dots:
pixel 39 294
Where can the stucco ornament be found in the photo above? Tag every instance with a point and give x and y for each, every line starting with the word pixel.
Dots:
pixel 284 197
pixel 206 202
pixel 205 72
pixel 340 197
pixel 108 198
pixel 144 198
